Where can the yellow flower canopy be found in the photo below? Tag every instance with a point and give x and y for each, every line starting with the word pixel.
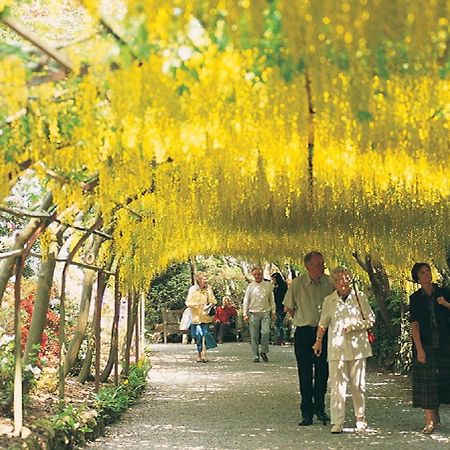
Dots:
pixel 204 146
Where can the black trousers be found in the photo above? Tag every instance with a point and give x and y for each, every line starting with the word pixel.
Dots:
pixel 312 371
pixel 221 330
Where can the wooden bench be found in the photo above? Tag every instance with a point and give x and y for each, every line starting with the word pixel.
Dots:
pixel 171 322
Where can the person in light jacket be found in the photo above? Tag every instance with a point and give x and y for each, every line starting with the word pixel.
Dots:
pixel 259 309
pixel 347 315
pixel 200 295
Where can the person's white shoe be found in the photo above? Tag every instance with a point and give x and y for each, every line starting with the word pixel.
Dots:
pixel 361 425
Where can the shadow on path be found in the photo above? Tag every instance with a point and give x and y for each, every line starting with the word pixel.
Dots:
pixel 233 403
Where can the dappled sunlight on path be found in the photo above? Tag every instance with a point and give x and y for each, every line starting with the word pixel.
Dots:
pixel 233 403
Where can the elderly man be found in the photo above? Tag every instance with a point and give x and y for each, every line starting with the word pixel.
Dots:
pixel 258 309
pixel 303 301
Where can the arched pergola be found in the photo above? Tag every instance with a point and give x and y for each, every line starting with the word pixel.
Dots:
pixel 260 129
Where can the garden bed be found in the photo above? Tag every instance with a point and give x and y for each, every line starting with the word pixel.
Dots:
pixel 82 417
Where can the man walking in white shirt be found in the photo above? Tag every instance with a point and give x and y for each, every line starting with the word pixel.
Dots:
pixel 303 301
pixel 259 308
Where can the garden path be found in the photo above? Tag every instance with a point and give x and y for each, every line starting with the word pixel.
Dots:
pixel 233 403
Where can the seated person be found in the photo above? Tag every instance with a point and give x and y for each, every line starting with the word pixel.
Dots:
pixel 224 320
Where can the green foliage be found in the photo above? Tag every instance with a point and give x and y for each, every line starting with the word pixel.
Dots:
pixel 403 362
pixel 7 49
pixel 72 425
pixel 272 46
pixel 224 278
pixel 68 419
pixel 364 116
pixel 112 401
pixel 142 43
pixel 168 290
pixel 82 353
pixel 7 364
pixel 393 352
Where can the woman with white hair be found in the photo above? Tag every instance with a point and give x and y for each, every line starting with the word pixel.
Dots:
pixel 347 315
pixel 199 296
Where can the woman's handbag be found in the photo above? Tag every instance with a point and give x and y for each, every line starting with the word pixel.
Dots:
pixel 210 341
pixel 370 334
pixel 210 309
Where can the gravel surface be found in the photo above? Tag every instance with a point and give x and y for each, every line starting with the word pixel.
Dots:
pixel 233 403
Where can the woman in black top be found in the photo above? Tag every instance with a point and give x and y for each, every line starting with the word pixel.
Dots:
pixel 279 292
pixel 430 328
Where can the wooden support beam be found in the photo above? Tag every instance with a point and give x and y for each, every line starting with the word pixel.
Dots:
pixel 16 252
pixel 25 213
pixel 22 30
pixel 45 215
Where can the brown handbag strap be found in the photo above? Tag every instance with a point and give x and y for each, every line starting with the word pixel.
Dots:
pixel 357 299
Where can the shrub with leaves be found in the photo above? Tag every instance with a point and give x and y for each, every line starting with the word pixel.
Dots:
pixel 29 373
pixel 49 347
pixel 112 401
pixel 68 418
pixel 393 352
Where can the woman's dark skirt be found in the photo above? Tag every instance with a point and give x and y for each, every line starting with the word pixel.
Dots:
pixel 431 381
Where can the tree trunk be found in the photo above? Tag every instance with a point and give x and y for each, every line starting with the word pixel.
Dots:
pixel 114 335
pixel 39 318
pixel 380 287
pixel 7 264
pixel 101 286
pixel 192 267
pixel 18 384
pixel 62 307
pixel 131 319
pixel 83 315
pixel 86 368
pixel 311 113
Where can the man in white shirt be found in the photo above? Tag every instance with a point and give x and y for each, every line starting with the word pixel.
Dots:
pixel 259 308
pixel 303 301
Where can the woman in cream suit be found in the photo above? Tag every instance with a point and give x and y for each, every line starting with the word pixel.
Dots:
pixel 347 316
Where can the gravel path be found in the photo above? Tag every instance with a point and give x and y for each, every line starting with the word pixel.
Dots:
pixel 233 403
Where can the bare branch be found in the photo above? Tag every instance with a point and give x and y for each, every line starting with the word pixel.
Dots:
pixel 360 261
pixel 16 252
pixel 25 213
pixel 20 29
pixel 76 263
pixel 117 37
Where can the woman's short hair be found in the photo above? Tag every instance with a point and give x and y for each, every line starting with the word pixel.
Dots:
pixel 337 271
pixel 416 269
pixel 199 275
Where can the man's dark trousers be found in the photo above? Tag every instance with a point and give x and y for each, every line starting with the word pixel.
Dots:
pixel 312 371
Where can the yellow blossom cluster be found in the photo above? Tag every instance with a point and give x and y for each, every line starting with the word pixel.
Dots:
pixel 214 159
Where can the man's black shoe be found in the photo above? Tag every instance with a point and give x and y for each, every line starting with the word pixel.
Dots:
pixel 305 422
pixel 323 417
